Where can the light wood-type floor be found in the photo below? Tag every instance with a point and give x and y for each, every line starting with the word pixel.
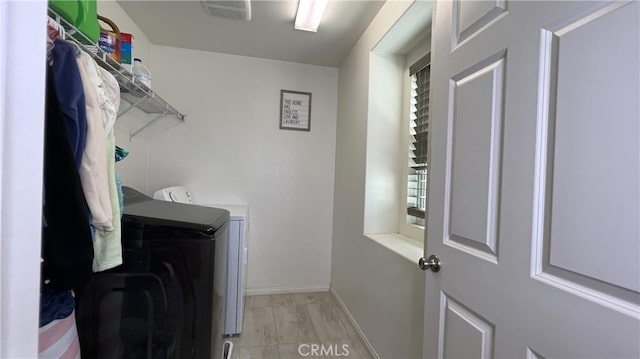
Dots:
pixel 285 326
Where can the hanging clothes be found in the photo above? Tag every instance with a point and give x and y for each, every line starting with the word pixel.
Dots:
pixel 80 191
pixel 121 154
pixel 66 239
pixel 55 305
pixel 71 95
pixel 93 168
pixel 108 246
pixel 112 102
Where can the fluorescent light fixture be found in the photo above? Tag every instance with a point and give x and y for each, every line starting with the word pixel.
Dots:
pixel 309 14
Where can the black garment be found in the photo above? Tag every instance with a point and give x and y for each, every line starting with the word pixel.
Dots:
pixel 67 247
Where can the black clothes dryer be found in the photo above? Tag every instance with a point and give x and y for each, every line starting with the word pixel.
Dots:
pixel 166 299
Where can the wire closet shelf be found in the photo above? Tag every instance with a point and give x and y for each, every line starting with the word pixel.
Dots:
pixel 134 93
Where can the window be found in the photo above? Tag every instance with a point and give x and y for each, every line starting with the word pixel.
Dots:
pixel 418 142
pixel 387 135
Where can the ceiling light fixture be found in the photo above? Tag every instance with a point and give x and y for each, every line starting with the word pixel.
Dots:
pixel 309 14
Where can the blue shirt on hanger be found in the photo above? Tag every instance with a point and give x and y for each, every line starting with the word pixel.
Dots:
pixel 71 95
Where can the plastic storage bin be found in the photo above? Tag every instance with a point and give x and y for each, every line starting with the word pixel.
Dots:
pixel 88 19
pixel 83 14
pixel 67 9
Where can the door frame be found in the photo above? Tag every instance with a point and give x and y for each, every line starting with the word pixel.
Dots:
pixel 22 91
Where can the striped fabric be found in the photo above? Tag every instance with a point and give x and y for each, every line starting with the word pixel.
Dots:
pixel 59 339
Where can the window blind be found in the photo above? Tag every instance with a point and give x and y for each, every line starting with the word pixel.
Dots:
pixel 418 147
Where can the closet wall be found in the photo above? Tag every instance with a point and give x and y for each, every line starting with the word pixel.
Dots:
pixel 231 150
pixel 376 284
pixel 133 170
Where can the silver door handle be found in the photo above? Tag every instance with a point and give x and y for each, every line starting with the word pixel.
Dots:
pixel 433 263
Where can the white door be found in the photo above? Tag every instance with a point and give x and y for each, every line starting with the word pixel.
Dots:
pixel 534 189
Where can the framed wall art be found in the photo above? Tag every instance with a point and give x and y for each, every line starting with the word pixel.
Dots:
pixel 295 110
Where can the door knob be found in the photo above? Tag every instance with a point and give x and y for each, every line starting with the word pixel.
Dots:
pixel 433 263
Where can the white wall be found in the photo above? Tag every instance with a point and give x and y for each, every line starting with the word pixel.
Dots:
pixel 383 290
pixel 133 170
pixel 230 150
pixel 384 136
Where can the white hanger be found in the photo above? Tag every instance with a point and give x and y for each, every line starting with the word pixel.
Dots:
pixel 56 25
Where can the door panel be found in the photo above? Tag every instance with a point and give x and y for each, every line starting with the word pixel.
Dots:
pixel 534 192
pixel 465 333
pixel 473 163
pixel 593 152
pixel 472 16
pixel 533 355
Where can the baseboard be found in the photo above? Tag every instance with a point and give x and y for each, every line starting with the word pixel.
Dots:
pixel 286 290
pixel 364 338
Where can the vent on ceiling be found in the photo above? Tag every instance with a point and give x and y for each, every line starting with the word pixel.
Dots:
pixel 234 9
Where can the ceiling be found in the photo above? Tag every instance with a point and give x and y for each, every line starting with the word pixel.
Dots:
pixel 269 34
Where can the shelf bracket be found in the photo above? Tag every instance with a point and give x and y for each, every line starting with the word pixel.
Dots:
pixel 132 105
pixel 147 125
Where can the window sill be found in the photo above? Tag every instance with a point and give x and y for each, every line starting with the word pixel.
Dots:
pixel 404 246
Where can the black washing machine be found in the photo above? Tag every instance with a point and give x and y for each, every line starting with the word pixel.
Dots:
pixel 166 299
